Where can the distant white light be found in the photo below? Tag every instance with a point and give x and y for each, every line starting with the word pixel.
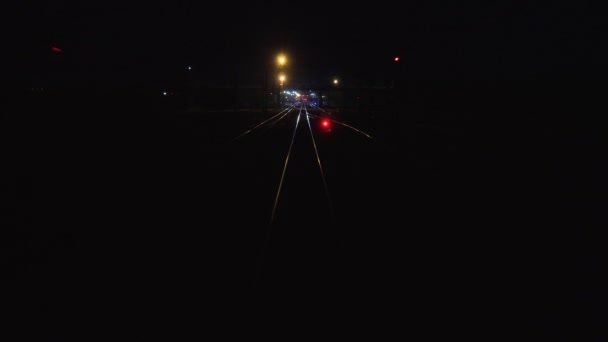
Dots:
pixel 189 68
pixel 164 93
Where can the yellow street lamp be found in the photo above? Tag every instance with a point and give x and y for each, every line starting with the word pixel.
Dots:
pixel 281 59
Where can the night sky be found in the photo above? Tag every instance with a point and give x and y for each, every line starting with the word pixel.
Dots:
pixel 437 40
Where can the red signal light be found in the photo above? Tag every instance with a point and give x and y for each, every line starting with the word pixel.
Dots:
pixel 397 59
pixel 326 124
pixel 55 49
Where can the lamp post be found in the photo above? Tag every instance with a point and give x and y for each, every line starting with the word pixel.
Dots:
pixel 335 93
pixel 270 81
pixel 281 61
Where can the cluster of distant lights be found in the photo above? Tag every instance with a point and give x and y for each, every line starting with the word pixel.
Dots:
pixel 296 94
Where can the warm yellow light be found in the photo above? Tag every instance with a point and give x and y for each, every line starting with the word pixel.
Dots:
pixel 282 78
pixel 282 60
pixel 336 81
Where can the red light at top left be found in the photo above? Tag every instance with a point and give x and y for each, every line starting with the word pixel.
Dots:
pixel 55 49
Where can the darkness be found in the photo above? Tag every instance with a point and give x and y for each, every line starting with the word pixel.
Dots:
pixel 437 40
pixel 476 213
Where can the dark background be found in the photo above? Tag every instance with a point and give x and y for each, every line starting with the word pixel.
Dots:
pixel 436 40
pixel 478 215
